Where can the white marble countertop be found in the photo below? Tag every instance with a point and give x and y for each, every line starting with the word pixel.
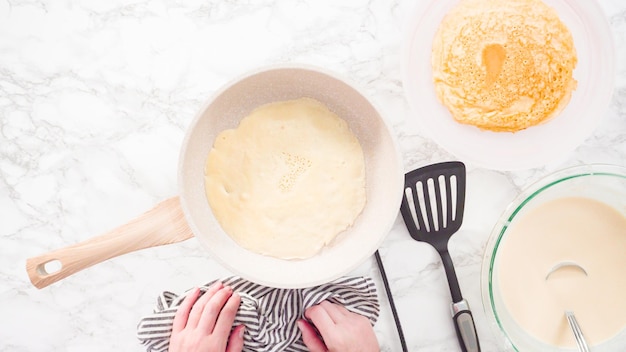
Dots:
pixel 95 97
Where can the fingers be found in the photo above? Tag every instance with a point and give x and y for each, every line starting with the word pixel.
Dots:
pixel 335 311
pixel 227 315
pixel 182 314
pixel 205 322
pixel 320 318
pixel 235 340
pixel 310 338
pixel 212 308
pixel 198 308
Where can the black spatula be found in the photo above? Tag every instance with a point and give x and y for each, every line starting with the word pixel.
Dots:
pixel 432 209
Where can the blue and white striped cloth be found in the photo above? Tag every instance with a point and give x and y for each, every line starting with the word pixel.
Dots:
pixel 269 314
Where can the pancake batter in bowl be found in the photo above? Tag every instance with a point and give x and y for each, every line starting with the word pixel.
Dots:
pixel 503 65
pixel 584 231
pixel 287 180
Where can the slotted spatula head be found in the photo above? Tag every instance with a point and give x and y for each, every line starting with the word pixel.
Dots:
pixel 432 209
pixel 433 202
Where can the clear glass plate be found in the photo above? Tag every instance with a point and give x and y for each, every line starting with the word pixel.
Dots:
pixel 535 146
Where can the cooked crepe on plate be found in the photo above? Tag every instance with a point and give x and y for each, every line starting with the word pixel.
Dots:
pixel 503 65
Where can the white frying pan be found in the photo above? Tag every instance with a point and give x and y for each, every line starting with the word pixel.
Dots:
pixel 179 218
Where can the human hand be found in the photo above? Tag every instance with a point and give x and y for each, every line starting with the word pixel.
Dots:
pixel 341 330
pixel 205 325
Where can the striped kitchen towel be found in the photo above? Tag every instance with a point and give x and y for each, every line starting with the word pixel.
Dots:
pixel 269 314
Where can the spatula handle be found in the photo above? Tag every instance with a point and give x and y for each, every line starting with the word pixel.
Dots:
pixel 163 224
pixel 465 327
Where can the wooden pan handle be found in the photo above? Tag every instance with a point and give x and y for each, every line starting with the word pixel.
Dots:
pixel 163 224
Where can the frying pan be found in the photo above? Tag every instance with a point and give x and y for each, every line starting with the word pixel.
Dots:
pixel 189 214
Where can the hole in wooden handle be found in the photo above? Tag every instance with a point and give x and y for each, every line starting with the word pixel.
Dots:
pixel 50 267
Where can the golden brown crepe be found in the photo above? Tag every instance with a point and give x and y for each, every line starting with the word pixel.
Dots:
pixel 503 65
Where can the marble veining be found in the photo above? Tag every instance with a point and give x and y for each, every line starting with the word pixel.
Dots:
pixel 95 97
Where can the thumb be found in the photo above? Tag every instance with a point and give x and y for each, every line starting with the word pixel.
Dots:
pixel 310 338
pixel 235 340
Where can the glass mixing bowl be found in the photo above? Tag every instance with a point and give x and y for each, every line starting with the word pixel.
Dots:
pixel 532 147
pixel 604 183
